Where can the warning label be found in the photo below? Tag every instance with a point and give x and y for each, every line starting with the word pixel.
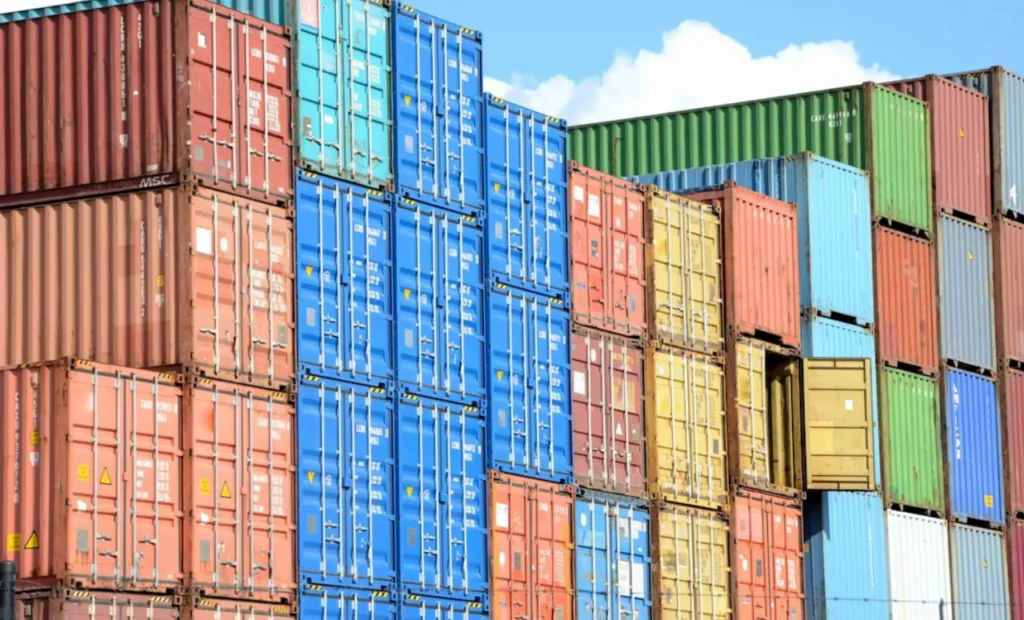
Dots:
pixel 83 473
pixel 33 542
pixel 105 477
pixel 204 486
pixel 225 491
pixel 14 542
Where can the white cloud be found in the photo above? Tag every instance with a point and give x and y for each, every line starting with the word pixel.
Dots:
pixel 697 66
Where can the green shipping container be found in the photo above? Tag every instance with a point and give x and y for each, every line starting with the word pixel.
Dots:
pixel 912 443
pixel 894 144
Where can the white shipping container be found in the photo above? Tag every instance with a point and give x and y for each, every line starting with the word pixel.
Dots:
pixel 919 573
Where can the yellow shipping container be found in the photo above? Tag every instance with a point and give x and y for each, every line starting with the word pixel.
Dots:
pixel 690 563
pixel 684 280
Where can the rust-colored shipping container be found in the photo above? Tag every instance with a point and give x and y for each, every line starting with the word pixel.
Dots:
pixel 152 279
pixel 609 436
pixel 1009 277
pixel 66 604
pixel 1012 388
pixel 905 297
pixel 145 94
pixel 93 483
pixel 609 253
pixel 762 274
pixel 217 609
pixel 240 492
pixel 531 550
pixel 1015 561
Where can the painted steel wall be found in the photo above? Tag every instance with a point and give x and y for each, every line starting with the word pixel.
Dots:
pixel 1013 388
pixel 767 556
pixel 530 420
pixel 346 469
pixel 439 111
pixel 966 297
pixel 912 441
pixel 343 70
pixel 1008 264
pixel 1015 562
pixel 980 585
pixel 975 447
pixel 60 8
pixel 414 607
pixel 527 197
pixel 216 609
pixel 613 559
pixel 345 255
pixel 919 567
pixel 317 603
pixel 439 302
pixel 91 604
pixel 690 564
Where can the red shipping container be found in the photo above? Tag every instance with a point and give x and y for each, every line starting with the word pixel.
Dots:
pixel 121 98
pixel 609 269
pixel 762 272
pixel 92 605
pixel 532 567
pixel 1015 560
pixel 1009 275
pixel 609 436
pixel 906 302
pixel 1012 387
pixel 215 609
pixel 767 556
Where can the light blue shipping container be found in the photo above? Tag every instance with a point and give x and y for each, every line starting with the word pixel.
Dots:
pixel 318 603
pixel 975 447
pixel 346 478
pixel 529 407
pixel 343 72
pixel 268 10
pixel 527 198
pixel 439 294
pixel 613 560
pixel 442 499
pixel 980 582
pixel 845 563
pixel 966 294
pixel 834 223
pixel 439 111
pixel 344 253
pixel 432 608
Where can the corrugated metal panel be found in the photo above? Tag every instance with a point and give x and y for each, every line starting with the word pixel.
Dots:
pixel 975 447
pixel 431 608
pixel 690 567
pixel 439 111
pixel 966 296
pixel 753 426
pixel 1015 562
pixel 613 560
pixel 442 499
pixel 530 422
pixel 60 8
pixel 63 604
pixel 912 446
pixel 343 69
pixel 215 609
pixel 919 567
pixel 980 586
pixel 317 603
pixel 346 465
pixel 1008 266
pixel 1013 387
pixel 767 556
pixel 439 302
pixel 845 563
pixel 345 259
pixel 527 197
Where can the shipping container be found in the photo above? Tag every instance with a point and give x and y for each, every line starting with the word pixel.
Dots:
pixel 532 548
pixel 975 448
pixel 980 584
pixel 1013 392
pixel 761 263
pixel 343 73
pixel 912 442
pixel 318 603
pixel 346 469
pixel 439 111
pixel 966 298
pixel 59 7
pixel 527 203
pixel 416 607
pixel 239 490
pixel 613 559
pixel 529 406
pixel 93 458
pixel 833 204
pixel 767 556
pixel 345 253
pixel 845 569
pixel 905 297
pixel 65 604
pixel 919 567
pixel 690 563
pixel 609 433
pixel 1015 562
pixel 442 506
pixel 685 414
pixel 440 283
pixel 1008 270
pixel 609 253
pixel 684 268
pixel 208 102
pixel 218 609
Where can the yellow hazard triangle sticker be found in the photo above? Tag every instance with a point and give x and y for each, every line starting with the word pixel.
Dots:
pixel 225 491
pixel 33 542
pixel 105 477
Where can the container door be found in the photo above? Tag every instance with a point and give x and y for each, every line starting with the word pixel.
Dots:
pixel 839 451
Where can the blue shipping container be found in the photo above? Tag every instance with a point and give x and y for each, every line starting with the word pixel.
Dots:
pixel 346 464
pixel 613 560
pixel 439 111
pixel 344 89
pixel 318 603
pixel 431 608
pixel 439 294
pixel 846 570
pixel 529 419
pixel 975 447
pixel 345 252
pixel 834 223
pixel 442 514
pixel 527 198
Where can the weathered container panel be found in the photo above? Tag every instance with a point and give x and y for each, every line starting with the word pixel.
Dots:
pixel 690 564
pixel 980 585
pixel 912 441
pixel 217 609
pixel 318 602
pixel 1008 266
pixel 966 299
pixel 1013 387
pixel 60 8
pixel 767 556
pixel 415 607
pixel 919 567
pixel 1015 563
pixel 975 448
pixel 93 605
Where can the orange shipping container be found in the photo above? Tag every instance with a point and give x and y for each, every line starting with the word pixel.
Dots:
pixel 531 549
pixel 214 609
pixel 65 604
